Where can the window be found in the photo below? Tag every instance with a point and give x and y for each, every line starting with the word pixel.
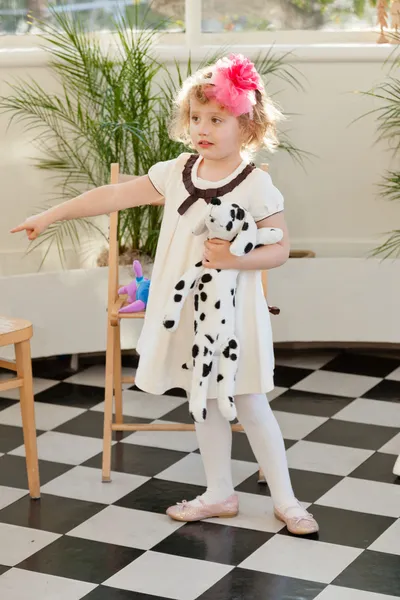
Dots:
pixel 271 15
pixel 18 16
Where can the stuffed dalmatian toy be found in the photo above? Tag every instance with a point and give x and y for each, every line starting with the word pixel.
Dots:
pixel 214 304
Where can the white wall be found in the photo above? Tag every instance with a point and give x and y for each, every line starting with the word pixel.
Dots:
pixel 331 207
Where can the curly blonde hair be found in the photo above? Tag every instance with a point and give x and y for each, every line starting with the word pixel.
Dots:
pixel 259 130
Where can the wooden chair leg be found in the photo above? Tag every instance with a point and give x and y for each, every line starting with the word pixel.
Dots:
pixel 24 370
pixel 108 405
pixel 117 374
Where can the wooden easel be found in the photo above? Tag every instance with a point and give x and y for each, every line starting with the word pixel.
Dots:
pixel 114 379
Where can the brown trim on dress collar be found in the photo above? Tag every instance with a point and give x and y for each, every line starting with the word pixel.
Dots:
pixel 195 193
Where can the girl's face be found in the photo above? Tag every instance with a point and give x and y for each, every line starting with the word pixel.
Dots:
pixel 214 132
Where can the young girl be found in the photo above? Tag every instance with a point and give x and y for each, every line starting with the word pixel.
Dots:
pixel 222 112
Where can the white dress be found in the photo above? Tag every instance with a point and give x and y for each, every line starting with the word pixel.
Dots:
pixel 162 353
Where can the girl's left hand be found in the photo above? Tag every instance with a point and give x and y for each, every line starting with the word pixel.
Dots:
pixel 217 255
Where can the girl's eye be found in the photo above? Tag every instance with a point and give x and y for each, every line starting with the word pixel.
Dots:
pixel 195 119
pixel 216 120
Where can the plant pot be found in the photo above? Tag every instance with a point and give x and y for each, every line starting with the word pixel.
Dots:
pixel 126 259
pixel 302 254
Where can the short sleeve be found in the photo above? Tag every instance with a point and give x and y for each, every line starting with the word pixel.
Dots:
pixel 160 173
pixel 266 199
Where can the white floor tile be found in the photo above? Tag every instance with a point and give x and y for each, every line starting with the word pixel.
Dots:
pixel 84 483
pixel 184 441
pixel 394 375
pixel 127 527
pixel 334 592
pixel 9 495
pixel 326 458
pixel 301 558
pixel 64 448
pixel 47 416
pixel 389 541
pixel 256 513
pixel 18 584
pixel 277 391
pixel 295 426
pixel 338 384
pixel 17 543
pixel 190 470
pixel 39 385
pixel 370 497
pixel 169 576
pixel 147 406
pixel 392 446
pixel 95 376
pixel 374 412
pixel 305 360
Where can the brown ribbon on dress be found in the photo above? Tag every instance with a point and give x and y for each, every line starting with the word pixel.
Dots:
pixel 196 193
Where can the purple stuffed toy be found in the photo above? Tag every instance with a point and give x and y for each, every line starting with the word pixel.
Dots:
pixel 137 290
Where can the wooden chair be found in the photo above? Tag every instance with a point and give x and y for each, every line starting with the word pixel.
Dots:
pixel 19 333
pixel 114 379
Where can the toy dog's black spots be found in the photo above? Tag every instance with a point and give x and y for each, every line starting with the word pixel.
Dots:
pixel 201 286
pixel 245 226
pixel 233 344
pixel 180 285
pixel 232 291
pixel 248 248
pixel 210 339
pixel 178 297
pixel 196 302
pixel 229 226
pixel 231 400
pixel 169 324
pixel 207 277
pixel 199 264
pixel 204 413
pixel 233 357
pixel 202 317
pixel 218 270
pixel 220 378
pixel 223 321
pixel 205 352
pixel 195 326
pixel 203 296
pixel 184 366
pixel 235 205
pixel 206 370
pixel 215 201
pixel 258 246
pixel 218 305
pixel 226 352
pixel 195 351
pixel 240 214
pixel 234 301
pixel 193 284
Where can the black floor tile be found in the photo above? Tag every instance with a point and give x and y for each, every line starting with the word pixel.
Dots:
pixel 353 435
pixel 50 513
pixel 309 403
pixel 108 593
pixel 179 415
pixel 138 460
pixel 379 467
pixel 362 364
pixel 80 559
pixel 72 394
pixel 156 495
pixel 346 527
pixel 388 390
pixel 53 368
pixel 373 572
pixel 3 570
pixel 177 392
pixel 242 583
pixel 213 542
pixel 308 486
pixel 11 437
pixel 289 376
pixel 91 424
pixel 5 402
pixel 13 471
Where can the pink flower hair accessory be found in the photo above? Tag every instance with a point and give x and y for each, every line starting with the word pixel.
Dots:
pixel 233 84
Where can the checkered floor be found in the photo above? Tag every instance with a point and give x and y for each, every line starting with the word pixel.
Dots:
pixel 340 417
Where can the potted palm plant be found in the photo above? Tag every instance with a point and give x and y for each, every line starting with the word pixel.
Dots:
pixel 113 106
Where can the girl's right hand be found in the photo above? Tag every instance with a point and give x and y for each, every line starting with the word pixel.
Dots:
pixel 33 226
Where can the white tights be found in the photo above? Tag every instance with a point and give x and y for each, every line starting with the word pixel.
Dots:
pixel 265 438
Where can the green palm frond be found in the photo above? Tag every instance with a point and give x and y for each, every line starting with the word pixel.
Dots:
pixel 111 105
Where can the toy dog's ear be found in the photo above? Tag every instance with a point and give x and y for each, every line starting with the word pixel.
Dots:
pixel 245 240
pixel 215 201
